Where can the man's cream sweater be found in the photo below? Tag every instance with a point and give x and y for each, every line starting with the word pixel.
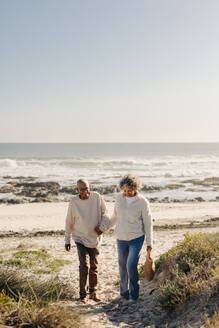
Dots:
pixel 82 218
pixel 132 220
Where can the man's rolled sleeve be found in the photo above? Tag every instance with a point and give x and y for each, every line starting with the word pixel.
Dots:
pixel 69 224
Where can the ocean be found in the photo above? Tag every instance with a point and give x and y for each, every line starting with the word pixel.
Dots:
pixel 103 164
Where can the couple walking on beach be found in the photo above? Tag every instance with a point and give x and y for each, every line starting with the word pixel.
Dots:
pixel 87 219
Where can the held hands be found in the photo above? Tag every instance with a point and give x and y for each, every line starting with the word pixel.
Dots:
pixel 98 231
pixel 68 247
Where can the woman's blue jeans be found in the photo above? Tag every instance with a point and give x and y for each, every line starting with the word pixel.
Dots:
pixel 128 253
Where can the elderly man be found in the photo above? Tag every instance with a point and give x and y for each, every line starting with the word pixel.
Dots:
pixel 86 212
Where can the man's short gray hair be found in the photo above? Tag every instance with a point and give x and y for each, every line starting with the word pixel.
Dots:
pixel 82 181
pixel 130 180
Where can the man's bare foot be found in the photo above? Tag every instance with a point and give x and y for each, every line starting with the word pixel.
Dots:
pixel 94 297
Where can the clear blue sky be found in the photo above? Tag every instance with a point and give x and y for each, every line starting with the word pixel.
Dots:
pixel 109 71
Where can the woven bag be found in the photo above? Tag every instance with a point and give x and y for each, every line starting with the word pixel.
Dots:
pixel 149 267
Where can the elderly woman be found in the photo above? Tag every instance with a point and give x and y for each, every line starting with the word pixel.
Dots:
pixel 132 217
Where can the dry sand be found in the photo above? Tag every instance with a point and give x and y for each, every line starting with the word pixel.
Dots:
pixel 51 216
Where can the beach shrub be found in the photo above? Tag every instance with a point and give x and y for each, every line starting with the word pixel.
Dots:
pixel 188 269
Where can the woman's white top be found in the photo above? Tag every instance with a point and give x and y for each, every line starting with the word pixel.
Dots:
pixel 132 220
pixel 129 200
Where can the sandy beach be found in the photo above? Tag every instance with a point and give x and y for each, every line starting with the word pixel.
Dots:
pixel 27 218
pixel 51 216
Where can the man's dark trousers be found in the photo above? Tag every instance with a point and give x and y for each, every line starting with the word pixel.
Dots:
pixel 85 253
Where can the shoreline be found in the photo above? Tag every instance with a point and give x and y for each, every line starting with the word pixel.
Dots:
pixel 22 190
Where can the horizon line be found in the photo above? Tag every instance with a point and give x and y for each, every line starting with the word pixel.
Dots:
pixel 111 142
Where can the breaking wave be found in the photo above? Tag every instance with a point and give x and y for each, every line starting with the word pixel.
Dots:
pixel 10 163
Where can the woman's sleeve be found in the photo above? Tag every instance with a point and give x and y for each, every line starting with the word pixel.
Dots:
pixel 113 219
pixel 147 220
pixel 107 222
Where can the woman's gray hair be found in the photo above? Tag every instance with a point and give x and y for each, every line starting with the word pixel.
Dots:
pixel 130 180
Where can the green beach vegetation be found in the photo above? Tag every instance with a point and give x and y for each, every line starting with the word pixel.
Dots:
pixel 28 301
pixel 187 279
pixel 189 269
pixel 40 261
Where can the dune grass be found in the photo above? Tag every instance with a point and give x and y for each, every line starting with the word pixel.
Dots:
pixel 14 284
pixel 29 302
pixel 34 315
pixel 189 269
pixel 213 322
